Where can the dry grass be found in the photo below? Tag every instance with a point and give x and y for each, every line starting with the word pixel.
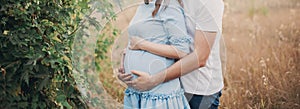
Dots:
pixel 263 55
pixel 263 52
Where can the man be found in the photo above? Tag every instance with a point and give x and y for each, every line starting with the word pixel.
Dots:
pixel 200 71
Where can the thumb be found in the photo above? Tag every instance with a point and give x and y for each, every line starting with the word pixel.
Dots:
pixel 131 47
pixel 138 73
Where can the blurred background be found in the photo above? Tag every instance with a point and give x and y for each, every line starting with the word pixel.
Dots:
pixel 262 39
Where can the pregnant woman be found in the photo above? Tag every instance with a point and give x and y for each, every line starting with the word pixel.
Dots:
pixel 157 23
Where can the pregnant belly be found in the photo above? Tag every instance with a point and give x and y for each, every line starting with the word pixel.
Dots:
pixel 150 63
pixel 145 61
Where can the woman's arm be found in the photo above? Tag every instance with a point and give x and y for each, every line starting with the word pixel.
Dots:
pixel 169 51
pixel 203 43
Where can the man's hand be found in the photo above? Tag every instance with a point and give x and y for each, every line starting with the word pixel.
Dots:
pixel 136 43
pixel 144 81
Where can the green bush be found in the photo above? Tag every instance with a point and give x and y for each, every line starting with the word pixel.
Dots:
pixel 36 38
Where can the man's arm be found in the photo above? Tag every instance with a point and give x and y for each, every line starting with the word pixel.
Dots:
pixel 164 50
pixel 202 43
pixel 137 43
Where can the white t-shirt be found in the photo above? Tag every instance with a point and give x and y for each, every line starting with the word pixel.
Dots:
pixel 205 15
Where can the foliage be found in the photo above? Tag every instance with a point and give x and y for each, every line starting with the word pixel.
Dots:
pixel 36 38
pixel 105 40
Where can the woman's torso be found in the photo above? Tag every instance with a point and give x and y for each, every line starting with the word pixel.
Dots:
pixel 154 29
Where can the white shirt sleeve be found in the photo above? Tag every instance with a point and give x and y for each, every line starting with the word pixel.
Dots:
pixel 209 16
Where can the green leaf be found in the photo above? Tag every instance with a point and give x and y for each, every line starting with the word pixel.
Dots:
pixel 56 39
pixel 67 105
pixel 23 104
pixel 44 83
pixel 60 98
pixel 35 50
pixel 25 77
pixel 34 105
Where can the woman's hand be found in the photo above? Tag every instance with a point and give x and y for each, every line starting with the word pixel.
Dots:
pixel 137 43
pixel 145 81
pixel 121 75
pixel 121 68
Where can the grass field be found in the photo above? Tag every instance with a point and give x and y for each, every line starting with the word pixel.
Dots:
pixel 263 55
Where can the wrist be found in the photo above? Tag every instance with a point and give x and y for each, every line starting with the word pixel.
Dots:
pixel 143 45
pixel 158 78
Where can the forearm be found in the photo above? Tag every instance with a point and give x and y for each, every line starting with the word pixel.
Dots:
pixel 145 81
pixel 163 50
pixel 185 65
pixel 203 44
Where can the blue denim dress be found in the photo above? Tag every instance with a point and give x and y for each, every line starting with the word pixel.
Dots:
pixel 167 27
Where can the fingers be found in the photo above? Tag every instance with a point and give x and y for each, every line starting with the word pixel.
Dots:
pixel 138 73
pixel 121 70
pixel 124 77
pixel 131 47
pixel 136 84
pixel 124 51
pixel 127 78
pixel 132 83
pixel 135 42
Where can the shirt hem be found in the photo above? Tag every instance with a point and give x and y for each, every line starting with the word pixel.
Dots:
pixel 204 93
